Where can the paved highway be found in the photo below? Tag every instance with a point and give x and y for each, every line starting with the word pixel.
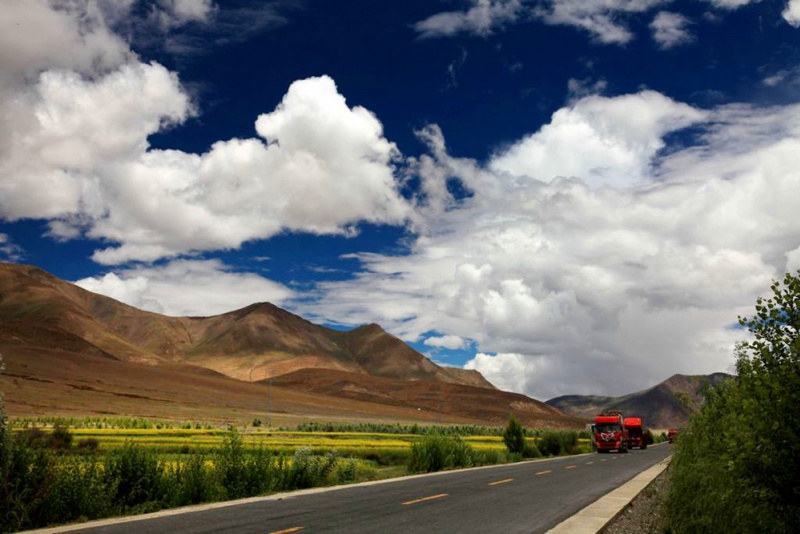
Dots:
pixel 526 497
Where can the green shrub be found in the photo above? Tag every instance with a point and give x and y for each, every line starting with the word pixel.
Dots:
pixel 231 465
pixel 192 482
pixel 531 451
pixel 514 435
pixel 550 444
pixel 79 491
pixel 136 476
pixel 434 453
pixel 60 438
pixel 88 444
pixel 26 472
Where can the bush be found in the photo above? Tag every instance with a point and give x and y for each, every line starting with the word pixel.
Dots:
pixel 194 483
pixel 136 476
pixel 514 435
pixel 60 438
pixel 26 481
pixel 435 453
pixel 550 444
pixel 89 444
pixel 531 451
pixel 736 462
pixel 79 491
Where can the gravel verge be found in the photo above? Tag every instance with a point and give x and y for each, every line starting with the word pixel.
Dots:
pixel 645 514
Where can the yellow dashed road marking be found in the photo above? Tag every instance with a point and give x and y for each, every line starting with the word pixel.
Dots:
pixel 415 501
pixel 544 472
pixel 500 481
pixel 287 530
pixel 570 467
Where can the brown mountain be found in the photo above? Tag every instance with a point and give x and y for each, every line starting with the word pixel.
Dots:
pixel 665 405
pixel 68 350
pixel 254 343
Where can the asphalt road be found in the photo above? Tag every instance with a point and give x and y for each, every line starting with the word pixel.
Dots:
pixel 526 497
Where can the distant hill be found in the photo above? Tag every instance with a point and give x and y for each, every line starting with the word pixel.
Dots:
pixel 65 346
pixel 665 405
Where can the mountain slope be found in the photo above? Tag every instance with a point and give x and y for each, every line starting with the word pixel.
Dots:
pixel 72 352
pixel 253 343
pixel 665 405
pixel 445 399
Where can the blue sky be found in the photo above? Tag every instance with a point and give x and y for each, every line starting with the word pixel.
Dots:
pixel 571 196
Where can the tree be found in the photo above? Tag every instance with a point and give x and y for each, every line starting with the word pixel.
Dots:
pixel 737 465
pixel 768 369
pixel 514 435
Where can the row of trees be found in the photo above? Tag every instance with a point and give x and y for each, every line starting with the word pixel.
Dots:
pixel 736 466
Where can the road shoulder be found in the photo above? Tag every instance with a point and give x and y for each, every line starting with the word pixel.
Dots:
pixel 600 513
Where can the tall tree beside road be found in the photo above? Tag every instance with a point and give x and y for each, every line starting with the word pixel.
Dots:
pixel 737 464
pixel 514 435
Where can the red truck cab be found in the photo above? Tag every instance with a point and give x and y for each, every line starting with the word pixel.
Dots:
pixel 610 433
pixel 636 435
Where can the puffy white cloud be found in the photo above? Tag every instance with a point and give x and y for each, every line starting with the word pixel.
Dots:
pixel 792 13
pixel 35 36
pixel 183 287
pixel 481 19
pixel 321 167
pixel 670 29
pixel 78 107
pixel 604 141
pixel 81 142
pixel 570 288
pixel 70 129
pixel 446 342
pixel 603 19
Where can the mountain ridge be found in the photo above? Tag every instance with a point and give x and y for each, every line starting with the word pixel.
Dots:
pixel 668 404
pixel 70 351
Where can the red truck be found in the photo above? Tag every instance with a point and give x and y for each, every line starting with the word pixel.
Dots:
pixel 636 435
pixel 671 435
pixel 610 433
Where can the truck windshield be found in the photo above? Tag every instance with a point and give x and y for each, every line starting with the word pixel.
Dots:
pixel 607 427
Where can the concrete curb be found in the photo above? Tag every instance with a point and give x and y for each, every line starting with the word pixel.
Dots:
pixel 600 513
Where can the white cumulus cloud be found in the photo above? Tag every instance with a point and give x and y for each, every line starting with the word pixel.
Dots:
pixel 78 107
pixel 446 342
pixel 792 13
pixel 182 287
pixel 566 287
pixel 604 141
pixel 670 29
